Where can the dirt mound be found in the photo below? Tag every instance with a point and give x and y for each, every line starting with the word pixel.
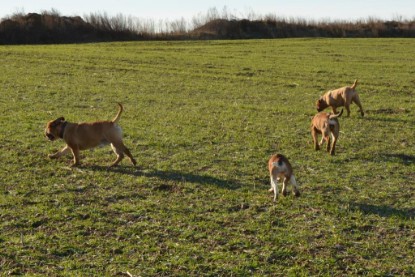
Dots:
pixel 257 29
pixel 37 28
pixel 238 29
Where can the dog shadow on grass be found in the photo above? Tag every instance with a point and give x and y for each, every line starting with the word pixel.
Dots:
pixel 402 158
pixel 384 211
pixel 175 176
pixel 390 120
pixel 193 178
pixel 394 158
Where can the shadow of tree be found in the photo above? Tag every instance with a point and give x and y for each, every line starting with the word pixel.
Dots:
pixel 171 176
pixel 384 211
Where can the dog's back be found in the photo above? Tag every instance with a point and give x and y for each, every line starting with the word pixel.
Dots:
pixel 319 121
pixel 91 134
pixel 325 124
pixel 340 97
pixel 279 166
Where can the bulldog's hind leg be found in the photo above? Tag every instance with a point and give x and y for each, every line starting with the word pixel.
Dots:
pixel 296 191
pixel 118 152
pixel 120 149
pixel 128 153
pixel 315 138
pixel 356 100
pixel 274 183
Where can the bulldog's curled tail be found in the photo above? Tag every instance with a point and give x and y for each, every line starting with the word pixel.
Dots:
pixel 117 117
pixel 354 84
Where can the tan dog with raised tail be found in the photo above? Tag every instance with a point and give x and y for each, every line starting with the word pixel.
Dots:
pixel 340 97
pixel 81 136
pixel 280 168
pixel 326 124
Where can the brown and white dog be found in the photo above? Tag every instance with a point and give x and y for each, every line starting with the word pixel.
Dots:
pixel 280 168
pixel 325 124
pixel 81 136
pixel 340 97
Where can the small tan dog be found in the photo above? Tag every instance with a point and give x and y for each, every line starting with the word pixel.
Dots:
pixel 81 136
pixel 280 168
pixel 325 124
pixel 340 97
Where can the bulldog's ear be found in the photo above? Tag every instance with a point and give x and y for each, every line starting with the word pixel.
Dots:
pixel 57 121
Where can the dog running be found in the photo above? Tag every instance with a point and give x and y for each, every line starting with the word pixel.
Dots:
pixel 326 124
pixel 280 168
pixel 340 97
pixel 81 136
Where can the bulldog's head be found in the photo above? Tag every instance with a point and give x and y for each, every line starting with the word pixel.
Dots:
pixel 321 104
pixel 55 128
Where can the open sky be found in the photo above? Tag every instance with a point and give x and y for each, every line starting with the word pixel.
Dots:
pixel 171 10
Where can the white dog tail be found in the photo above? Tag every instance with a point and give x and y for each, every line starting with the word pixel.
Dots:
pixel 336 115
pixel 354 84
pixel 117 117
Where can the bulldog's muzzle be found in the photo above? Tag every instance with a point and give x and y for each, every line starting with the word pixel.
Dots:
pixel 50 137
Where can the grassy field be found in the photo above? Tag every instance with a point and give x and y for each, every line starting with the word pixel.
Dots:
pixel 202 119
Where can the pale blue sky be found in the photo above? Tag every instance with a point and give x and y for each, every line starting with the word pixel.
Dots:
pixel 170 10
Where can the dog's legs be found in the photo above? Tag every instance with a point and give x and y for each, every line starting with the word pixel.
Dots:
pixel 315 139
pixel 328 144
pixel 333 146
pixel 284 186
pixel 347 109
pixel 356 100
pixel 128 153
pixel 60 153
pixel 322 141
pixel 295 186
pixel 75 153
pixel 347 103
pixel 274 186
pixel 119 151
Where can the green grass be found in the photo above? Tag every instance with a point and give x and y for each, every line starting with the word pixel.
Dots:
pixel 202 119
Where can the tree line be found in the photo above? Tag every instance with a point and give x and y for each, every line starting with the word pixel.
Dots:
pixel 51 27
